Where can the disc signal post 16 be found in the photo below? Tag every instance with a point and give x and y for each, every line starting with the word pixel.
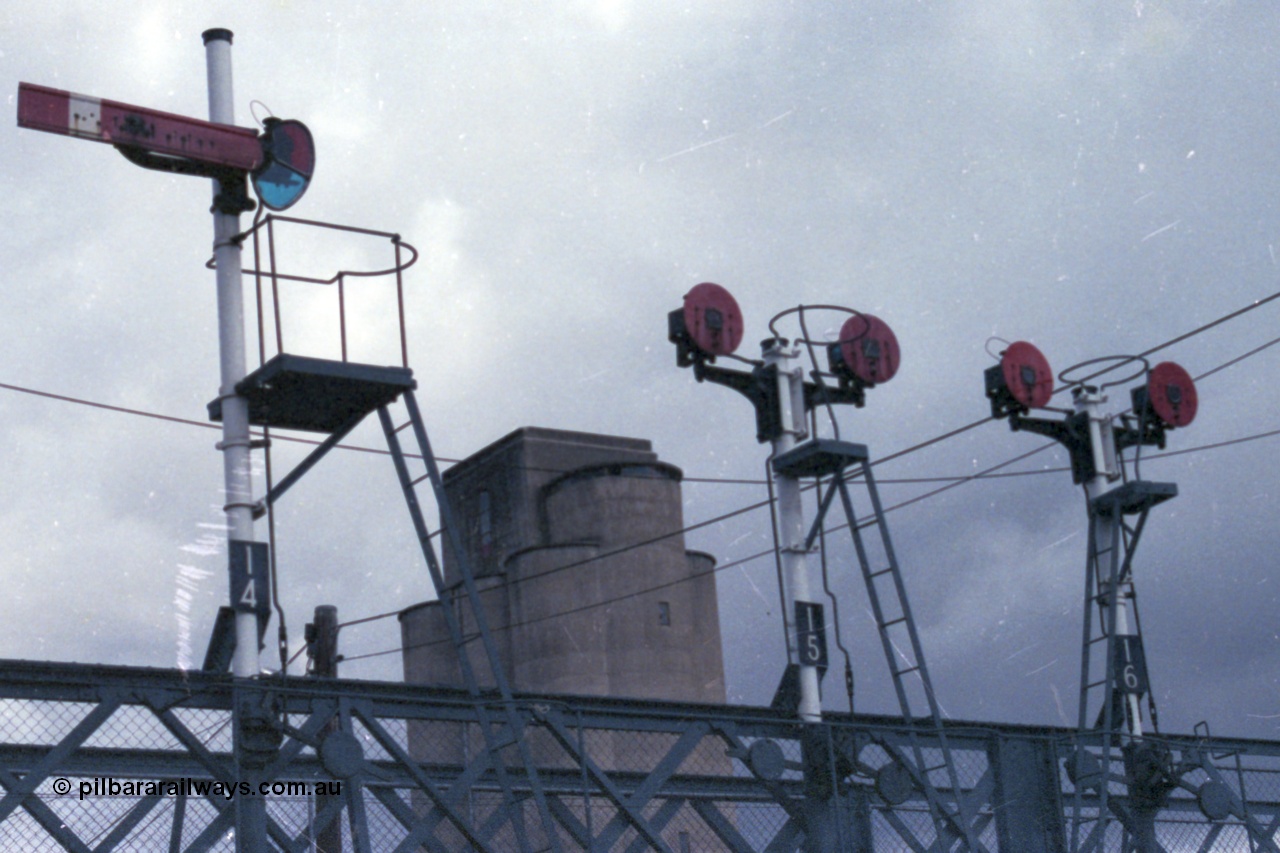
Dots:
pixel 1118 508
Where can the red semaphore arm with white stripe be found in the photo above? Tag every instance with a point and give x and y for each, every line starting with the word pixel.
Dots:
pixel 101 120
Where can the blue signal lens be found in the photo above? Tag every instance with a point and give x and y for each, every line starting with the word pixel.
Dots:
pixel 289 159
pixel 279 186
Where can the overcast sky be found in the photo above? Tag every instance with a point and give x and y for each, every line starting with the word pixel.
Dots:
pixel 1097 178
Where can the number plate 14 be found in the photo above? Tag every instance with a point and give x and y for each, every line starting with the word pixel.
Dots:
pixel 250 590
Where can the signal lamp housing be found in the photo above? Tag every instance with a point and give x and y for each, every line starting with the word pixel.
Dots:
pixel 1169 396
pixel 709 324
pixel 866 354
pixel 1021 381
pixel 288 162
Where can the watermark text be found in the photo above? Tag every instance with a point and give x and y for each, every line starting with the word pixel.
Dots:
pixel 107 786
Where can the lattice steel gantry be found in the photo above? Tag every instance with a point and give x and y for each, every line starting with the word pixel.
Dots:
pixel 1114 676
pixel 709 325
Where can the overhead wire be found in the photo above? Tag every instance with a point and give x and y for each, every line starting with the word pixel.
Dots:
pixel 990 472
pixel 863 522
pixel 687 479
pixel 751 507
pixel 1238 359
pixel 125 410
pixel 379 451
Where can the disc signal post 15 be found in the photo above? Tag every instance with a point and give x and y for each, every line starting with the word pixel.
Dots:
pixel 707 328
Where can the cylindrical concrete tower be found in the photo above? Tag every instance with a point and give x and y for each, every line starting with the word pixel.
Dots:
pixel 567 533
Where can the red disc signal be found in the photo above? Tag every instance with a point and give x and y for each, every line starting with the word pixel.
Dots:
pixel 1172 393
pixel 712 319
pixel 1027 374
pixel 869 348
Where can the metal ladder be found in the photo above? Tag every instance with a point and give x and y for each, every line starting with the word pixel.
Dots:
pixel 333 398
pixel 1108 582
pixel 823 458
pixel 503 727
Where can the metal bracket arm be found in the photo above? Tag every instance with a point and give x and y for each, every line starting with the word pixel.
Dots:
pixel 1072 433
pixel 1149 431
pixel 233 192
pixel 850 389
pixel 760 386
pixel 260 508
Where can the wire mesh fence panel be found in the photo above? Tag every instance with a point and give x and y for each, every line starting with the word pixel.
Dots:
pixel 22 832
pixel 759 823
pixel 1177 836
pixel 371 747
pixel 212 727
pixel 27 721
pixel 133 726
pixel 417 769
pixel 902 829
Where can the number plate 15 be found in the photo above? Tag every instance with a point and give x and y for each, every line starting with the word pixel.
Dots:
pixel 811 635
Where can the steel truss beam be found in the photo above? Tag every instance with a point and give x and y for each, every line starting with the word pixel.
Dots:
pixel 616 775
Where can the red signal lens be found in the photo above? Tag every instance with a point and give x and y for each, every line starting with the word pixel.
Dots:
pixel 712 319
pixel 1172 392
pixel 869 349
pixel 1027 375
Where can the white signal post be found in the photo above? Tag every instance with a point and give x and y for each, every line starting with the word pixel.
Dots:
pixel 791 526
pixel 1102 446
pixel 250 813
pixel 218 149
pixel 231 344
pixel 160 140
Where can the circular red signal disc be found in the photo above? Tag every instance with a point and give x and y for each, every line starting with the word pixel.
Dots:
pixel 1173 394
pixel 1027 374
pixel 712 319
pixel 869 348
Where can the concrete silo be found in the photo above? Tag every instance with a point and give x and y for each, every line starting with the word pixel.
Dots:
pixel 567 532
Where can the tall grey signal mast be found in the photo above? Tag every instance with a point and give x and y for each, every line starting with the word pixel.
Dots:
pixel 280 162
pixel 710 326
pixel 1113 665
pixel 315 395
